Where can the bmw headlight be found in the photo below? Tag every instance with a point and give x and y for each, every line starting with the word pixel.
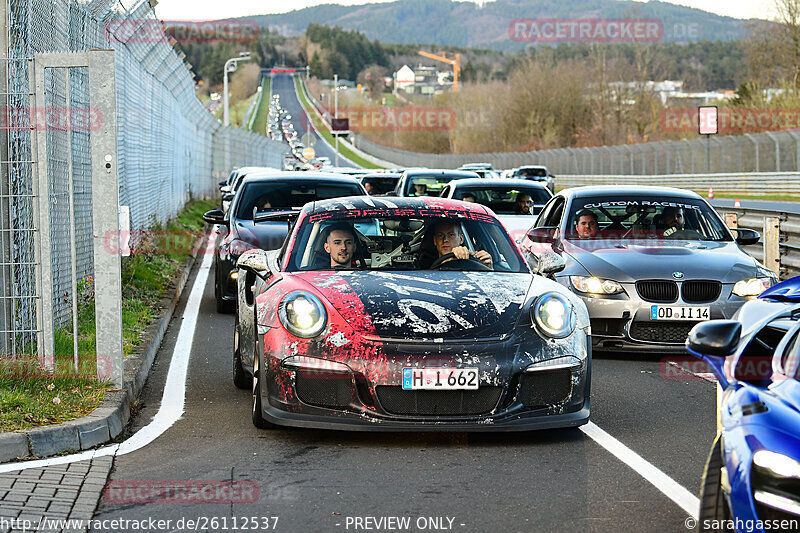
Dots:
pixel 553 315
pixel 302 314
pixel 592 285
pixel 776 464
pixel 751 287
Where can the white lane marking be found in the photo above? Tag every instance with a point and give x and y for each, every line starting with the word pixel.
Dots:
pixel 172 401
pixel 668 486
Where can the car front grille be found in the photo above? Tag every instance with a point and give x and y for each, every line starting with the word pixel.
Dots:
pixel 544 388
pixel 659 291
pixel 397 401
pixel 700 291
pixel 662 332
pixel 332 390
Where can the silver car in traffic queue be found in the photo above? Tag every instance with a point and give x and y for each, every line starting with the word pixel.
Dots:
pixel 648 262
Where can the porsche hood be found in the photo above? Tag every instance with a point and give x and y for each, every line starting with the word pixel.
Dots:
pixel 425 305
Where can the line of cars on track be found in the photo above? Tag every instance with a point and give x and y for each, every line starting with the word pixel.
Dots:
pixel 438 305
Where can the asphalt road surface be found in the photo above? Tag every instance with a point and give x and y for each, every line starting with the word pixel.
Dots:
pixel 314 480
pixel 788 207
pixel 283 85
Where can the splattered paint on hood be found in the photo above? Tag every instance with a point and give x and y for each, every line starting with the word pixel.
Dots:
pixel 447 305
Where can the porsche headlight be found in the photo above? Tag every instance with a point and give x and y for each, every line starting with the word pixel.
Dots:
pixel 302 314
pixel 553 315
pixel 592 285
pixel 776 464
pixel 751 287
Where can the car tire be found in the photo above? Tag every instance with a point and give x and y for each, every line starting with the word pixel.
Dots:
pixel 258 418
pixel 713 506
pixel 241 378
pixel 224 307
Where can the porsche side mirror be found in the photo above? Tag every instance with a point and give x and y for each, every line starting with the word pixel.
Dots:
pixel 225 189
pixel 550 263
pixel 215 216
pixel 254 261
pixel 747 236
pixel 542 234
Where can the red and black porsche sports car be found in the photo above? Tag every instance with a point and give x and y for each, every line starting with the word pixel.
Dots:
pixel 408 314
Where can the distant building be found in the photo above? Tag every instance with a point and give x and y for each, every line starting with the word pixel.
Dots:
pixel 422 80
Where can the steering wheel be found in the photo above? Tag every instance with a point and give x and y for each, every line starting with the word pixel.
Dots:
pixel 458 264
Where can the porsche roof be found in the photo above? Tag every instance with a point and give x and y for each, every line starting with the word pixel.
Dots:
pixel 349 203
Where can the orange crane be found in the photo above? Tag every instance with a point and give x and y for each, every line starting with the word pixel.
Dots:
pixel 443 58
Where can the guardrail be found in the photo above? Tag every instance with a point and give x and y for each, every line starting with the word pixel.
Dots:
pixel 737 183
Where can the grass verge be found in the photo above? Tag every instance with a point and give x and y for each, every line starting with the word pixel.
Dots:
pixel 260 122
pixel 31 397
pixel 325 132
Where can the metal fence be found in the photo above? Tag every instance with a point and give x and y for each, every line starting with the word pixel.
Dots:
pixel 774 183
pixel 169 148
pixel 759 152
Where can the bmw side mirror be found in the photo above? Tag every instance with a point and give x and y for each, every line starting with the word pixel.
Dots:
pixel 215 216
pixel 227 197
pixel 254 261
pixel 746 236
pixel 543 234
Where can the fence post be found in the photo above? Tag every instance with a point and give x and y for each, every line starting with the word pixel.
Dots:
pixel 772 251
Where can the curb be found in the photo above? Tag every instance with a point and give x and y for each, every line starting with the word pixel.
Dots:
pixel 109 419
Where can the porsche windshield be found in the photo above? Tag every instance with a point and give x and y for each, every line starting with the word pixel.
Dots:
pixel 405 243
pixel 644 217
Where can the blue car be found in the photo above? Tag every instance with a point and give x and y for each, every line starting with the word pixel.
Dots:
pixel 752 476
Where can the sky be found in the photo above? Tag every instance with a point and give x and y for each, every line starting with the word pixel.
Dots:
pixel 210 10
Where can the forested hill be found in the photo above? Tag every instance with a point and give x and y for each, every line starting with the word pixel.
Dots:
pixel 466 24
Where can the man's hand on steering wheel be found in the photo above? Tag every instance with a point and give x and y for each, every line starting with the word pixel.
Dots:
pixel 461 252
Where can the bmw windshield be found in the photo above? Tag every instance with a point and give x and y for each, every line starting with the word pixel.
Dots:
pixel 644 217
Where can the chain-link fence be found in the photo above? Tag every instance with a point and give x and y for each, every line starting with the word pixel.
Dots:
pixel 169 148
pixel 757 152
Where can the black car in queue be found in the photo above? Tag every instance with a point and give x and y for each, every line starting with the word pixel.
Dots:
pixel 237 231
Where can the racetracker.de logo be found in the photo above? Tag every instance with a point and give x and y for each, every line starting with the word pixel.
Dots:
pixel 50 118
pixel 181 492
pixel 411 118
pixel 732 120
pixel 182 31
pixel 586 30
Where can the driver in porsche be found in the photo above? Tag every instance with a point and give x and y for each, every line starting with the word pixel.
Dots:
pixel 447 239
